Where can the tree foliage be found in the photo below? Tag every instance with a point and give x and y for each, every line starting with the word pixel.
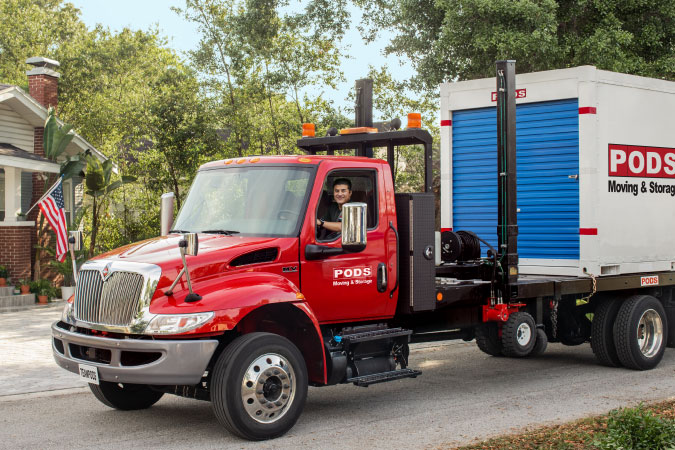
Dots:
pixel 461 39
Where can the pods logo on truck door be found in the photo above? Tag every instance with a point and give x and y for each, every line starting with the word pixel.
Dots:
pixel 346 276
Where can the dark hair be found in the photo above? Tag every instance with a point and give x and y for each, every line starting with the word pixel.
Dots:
pixel 342 181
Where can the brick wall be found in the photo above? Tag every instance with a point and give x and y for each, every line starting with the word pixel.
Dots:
pixel 44 89
pixel 16 252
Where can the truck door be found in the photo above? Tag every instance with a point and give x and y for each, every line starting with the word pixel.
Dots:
pixel 345 287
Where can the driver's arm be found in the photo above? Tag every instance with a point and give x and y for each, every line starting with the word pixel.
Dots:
pixel 330 226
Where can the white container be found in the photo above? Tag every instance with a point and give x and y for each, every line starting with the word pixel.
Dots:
pixel 596 169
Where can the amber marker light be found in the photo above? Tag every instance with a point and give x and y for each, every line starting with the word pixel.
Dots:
pixel 439 296
pixel 241 161
pixel 299 296
pixel 304 160
pixel 414 120
pixel 254 160
pixel 229 161
pixel 308 130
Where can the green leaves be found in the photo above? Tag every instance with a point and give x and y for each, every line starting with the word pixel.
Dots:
pixel 461 39
pixel 56 137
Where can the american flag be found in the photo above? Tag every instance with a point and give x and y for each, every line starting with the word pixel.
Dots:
pixel 52 207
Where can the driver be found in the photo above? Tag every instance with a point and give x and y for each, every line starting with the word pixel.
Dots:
pixel 332 221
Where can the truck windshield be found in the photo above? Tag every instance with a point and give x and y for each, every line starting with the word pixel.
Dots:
pixel 246 200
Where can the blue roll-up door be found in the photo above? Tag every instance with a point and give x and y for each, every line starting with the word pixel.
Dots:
pixel 547 143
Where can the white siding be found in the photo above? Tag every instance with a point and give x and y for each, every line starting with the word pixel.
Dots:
pixel 15 130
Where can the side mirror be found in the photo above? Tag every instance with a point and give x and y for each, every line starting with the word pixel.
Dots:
pixel 75 240
pixel 354 227
pixel 166 213
pixel 190 243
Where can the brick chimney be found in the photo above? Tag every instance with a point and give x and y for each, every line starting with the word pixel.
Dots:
pixel 43 81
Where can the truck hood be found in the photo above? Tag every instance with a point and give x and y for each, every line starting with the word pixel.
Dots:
pixel 216 252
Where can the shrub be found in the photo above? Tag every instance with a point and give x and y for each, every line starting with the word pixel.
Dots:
pixel 637 429
pixel 4 272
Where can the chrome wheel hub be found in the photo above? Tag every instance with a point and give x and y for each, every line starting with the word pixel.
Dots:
pixel 523 334
pixel 268 388
pixel 650 333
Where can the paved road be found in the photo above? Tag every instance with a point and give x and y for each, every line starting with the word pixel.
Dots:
pixel 463 395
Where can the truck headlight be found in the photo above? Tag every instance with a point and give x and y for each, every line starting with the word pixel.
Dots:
pixel 177 323
pixel 67 314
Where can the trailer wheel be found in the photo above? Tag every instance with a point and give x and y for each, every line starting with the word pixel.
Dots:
pixel 126 397
pixel 259 386
pixel 641 332
pixel 519 335
pixel 602 334
pixel 541 343
pixel 487 339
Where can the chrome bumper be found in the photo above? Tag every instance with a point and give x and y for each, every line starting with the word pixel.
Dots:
pixel 181 362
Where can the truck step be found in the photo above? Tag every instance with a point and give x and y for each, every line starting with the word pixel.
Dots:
pixel 366 380
pixel 375 335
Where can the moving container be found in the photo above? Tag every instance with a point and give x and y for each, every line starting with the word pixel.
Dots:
pixel 595 167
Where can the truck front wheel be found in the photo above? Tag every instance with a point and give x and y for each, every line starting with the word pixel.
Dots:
pixel 641 332
pixel 259 386
pixel 126 397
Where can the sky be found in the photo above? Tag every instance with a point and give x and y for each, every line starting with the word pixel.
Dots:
pixel 183 36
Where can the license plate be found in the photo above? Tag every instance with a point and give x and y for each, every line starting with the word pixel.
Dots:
pixel 89 373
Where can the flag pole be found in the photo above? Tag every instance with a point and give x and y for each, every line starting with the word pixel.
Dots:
pixel 44 195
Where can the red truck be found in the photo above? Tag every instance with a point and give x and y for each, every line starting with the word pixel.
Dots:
pixel 252 298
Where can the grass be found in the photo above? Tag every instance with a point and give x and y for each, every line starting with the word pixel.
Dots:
pixel 643 427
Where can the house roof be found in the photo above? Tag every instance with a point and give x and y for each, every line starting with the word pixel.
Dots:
pixel 36 114
pixel 13 156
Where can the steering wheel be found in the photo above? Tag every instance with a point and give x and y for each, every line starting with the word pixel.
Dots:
pixel 284 213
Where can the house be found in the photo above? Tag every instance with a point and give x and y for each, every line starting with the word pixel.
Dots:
pixel 23 166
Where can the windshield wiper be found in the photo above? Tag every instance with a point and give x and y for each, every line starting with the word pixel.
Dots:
pixel 225 232
pixel 178 231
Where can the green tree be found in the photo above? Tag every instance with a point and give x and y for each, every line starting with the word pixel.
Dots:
pixel 36 28
pixel 260 59
pixel 461 39
pixel 182 132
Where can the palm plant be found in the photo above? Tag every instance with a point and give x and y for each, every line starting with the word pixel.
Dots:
pixel 98 181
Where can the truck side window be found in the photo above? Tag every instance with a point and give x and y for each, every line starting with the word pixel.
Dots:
pixel 363 189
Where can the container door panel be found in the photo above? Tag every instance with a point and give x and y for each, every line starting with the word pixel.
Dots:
pixel 547 142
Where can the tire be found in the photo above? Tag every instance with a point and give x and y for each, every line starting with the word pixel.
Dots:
pixel 541 343
pixel 126 397
pixel 259 386
pixel 487 339
pixel 641 332
pixel 602 333
pixel 519 335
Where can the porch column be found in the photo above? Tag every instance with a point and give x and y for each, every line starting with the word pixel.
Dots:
pixel 12 193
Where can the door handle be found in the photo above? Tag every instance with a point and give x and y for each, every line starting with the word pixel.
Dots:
pixel 381 277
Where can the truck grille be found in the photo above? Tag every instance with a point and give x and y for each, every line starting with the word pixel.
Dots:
pixel 110 302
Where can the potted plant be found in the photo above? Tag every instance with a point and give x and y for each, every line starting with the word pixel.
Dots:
pixel 4 274
pixel 43 296
pixel 41 288
pixel 24 286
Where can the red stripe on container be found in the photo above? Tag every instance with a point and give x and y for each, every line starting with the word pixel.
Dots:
pixel 446 229
pixel 587 110
pixel 588 231
pixel 446 123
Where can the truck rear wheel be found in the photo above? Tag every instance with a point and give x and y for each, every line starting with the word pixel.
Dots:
pixel 259 386
pixel 487 339
pixel 641 332
pixel 126 397
pixel 519 334
pixel 602 334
